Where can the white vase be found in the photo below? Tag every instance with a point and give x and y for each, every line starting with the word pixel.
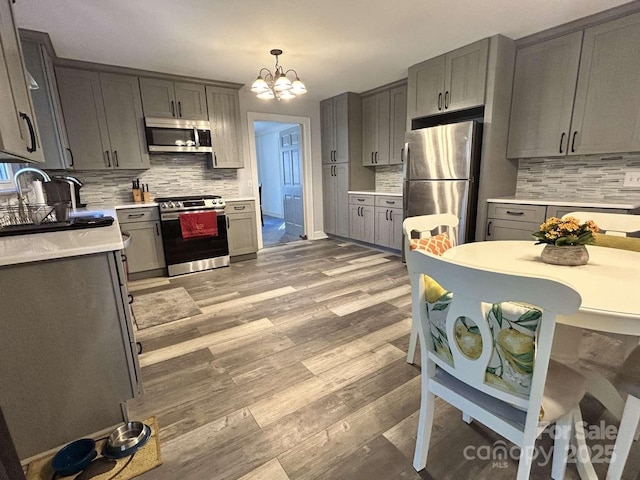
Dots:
pixel 565 255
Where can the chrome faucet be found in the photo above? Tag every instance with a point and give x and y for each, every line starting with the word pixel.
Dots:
pixel 16 177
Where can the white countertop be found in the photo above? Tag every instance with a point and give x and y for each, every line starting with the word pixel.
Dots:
pixel 239 199
pixel 123 206
pixel 566 202
pixel 372 192
pixel 67 243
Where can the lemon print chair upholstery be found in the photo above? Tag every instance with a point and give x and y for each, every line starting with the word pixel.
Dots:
pixel 485 342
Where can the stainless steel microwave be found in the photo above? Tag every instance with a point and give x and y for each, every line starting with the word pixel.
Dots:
pixel 177 135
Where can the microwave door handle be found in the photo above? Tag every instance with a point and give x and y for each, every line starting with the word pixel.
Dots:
pixel 196 137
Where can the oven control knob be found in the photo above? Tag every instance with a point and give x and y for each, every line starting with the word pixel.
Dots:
pixel 177 204
pixel 170 204
pixel 163 205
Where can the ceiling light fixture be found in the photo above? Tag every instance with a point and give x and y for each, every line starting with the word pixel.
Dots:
pixel 277 84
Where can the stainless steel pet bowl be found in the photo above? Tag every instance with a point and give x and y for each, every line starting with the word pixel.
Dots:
pixel 126 439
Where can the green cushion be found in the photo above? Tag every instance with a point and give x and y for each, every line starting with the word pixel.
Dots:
pixel 621 243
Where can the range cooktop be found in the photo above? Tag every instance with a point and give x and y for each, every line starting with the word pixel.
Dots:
pixel 74 223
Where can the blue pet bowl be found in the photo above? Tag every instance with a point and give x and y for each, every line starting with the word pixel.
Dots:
pixel 75 457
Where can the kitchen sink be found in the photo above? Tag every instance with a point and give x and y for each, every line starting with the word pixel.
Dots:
pixel 74 223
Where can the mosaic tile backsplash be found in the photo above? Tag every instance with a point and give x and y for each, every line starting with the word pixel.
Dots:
pixel 169 175
pixel 389 179
pixel 590 177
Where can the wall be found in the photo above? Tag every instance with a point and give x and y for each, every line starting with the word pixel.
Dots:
pixel 169 175
pixel 269 173
pixel 581 178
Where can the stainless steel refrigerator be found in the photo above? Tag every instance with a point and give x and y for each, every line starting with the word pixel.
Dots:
pixel 440 173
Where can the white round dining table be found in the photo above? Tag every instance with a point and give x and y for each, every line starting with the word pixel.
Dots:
pixel 609 283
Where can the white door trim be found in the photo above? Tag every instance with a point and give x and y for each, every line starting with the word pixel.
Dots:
pixel 307 190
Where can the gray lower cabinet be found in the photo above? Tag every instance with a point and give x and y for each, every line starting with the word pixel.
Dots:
pixel 103 115
pixel 388 222
pixel 167 99
pixel 46 103
pixel 67 349
pixel 335 184
pixel 224 116
pixel 510 221
pixel 362 218
pixel 19 134
pixel 241 227
pixel 145 252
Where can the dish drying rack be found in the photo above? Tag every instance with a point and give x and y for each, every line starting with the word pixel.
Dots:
pixel 24 214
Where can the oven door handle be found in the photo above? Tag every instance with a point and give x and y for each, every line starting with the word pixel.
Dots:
pixel 176 215
pixel 196 137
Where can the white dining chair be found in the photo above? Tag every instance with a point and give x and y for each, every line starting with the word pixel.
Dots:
pixel 628 382
pixel 490 357
pixel 613 223
pixel 424 226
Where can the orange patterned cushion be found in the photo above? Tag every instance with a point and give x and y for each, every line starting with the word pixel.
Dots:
pixel 437 244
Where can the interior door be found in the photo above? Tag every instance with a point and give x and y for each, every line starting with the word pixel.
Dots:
pixel 291 172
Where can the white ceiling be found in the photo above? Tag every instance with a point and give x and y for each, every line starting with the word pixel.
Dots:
pixel 334 45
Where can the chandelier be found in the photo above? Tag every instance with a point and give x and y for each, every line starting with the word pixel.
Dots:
pixel 277 84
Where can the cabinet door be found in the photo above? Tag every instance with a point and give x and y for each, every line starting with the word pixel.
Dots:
pixel 158 98
pixel 341 128
pixel 356 222
pixel 18 128
pixel 342 199
pixel 123 111
pixel 46 104
pixel 382 227
pixel 383 128
pixel 606 113
pixel 368 224
pixel 510 230
pixel 83 111
pixel 145 250
pixel 542 102
pixel 466 76
pixel 395 228
pixel 329 198
pixel 397 126
pixel 425 88
pixel 224 116
pixel 242 234
pixel 369 130
pixel 327 130
pixel 191 101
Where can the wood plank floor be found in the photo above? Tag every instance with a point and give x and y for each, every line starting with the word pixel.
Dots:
pixel 296 370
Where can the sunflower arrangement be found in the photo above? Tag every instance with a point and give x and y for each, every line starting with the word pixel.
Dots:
pixel 567 231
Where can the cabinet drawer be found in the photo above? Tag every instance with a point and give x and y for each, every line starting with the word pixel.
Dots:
pixel 388 201
pixel 129 215
pixel 361 199
pixel 518 212
pixel 561 211
pixel 239 207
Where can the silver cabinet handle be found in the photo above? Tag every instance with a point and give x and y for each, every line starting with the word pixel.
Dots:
pixel 391 215
pixel 517 214
pixel 240 208
pixel 390 202
pixel 360 199
pixel 386 215
pixel 115 158
pixel 135 215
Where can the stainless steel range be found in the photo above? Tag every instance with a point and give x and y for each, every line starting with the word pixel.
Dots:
pixel 194 233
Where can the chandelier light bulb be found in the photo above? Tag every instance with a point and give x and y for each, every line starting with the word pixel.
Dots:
pixel 277 84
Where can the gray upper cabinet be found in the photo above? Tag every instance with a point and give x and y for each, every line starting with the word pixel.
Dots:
pixel 167 99
pixel 397 124
pixel 46 102
pixel 335 129
pixel 375 129
pixel 553 114
pixel 224 116
pixel 542 102
pixel 103 116
pixel 606 113
pixel 19 134
pixel 450 82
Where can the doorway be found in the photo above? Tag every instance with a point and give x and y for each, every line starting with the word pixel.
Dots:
pixel 280 181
